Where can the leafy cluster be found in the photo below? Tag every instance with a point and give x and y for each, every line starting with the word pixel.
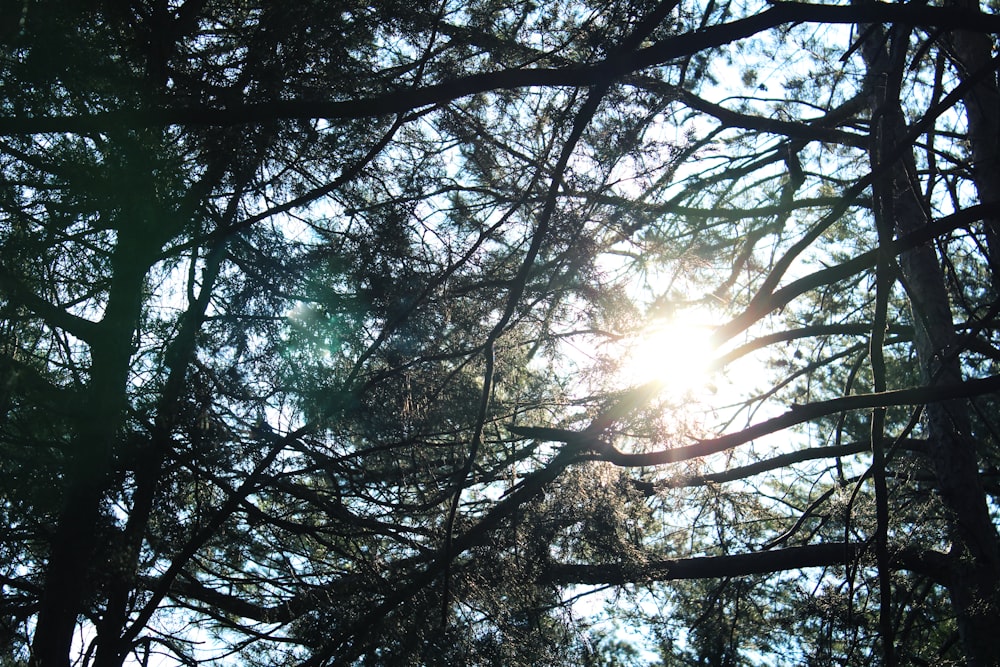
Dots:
pixel 315 317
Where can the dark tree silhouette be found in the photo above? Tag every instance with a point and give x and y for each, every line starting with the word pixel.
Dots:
pixel 315 315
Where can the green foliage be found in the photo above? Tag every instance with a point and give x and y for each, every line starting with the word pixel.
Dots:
pixel 315 318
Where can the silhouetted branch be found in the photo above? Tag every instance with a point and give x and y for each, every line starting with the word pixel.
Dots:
pixel 611 69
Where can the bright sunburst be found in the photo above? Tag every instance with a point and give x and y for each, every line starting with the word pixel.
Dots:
pixel 678 354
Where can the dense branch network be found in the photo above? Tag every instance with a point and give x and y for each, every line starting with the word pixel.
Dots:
pixel 316 324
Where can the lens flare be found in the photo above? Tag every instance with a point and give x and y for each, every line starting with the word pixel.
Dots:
pixel 677 355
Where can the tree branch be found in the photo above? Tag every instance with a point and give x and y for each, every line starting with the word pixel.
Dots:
pixel 608 70
pixel 802 413
pixel 705 567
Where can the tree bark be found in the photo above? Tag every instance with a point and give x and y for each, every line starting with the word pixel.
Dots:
pixel 974 574
pixel 973 53
pixel 69 581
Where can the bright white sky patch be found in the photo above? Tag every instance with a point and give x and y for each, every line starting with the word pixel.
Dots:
pixel 677 354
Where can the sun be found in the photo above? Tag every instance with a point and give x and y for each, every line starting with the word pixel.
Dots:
pixel 677 354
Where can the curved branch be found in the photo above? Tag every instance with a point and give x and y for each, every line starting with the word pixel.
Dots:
pixel 927 562
pixel 705 567
pixel 802 413
pixel 611 69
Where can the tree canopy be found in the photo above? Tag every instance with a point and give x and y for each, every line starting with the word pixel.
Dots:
pixel 349 333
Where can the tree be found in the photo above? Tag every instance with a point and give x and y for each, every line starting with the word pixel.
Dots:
pixel 314 316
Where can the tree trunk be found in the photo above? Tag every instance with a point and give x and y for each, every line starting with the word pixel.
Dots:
pixel 974 576
pixel 68 582
pixel 973 53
